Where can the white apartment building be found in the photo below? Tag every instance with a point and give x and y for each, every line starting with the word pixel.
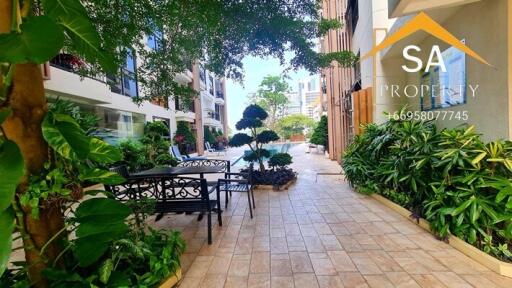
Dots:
pixel 310 93
pixel 110 98
pixel 294 105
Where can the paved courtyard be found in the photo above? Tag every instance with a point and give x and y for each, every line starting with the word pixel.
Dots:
pixel 320 234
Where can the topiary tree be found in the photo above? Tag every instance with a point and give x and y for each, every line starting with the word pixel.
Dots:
pixel 320 134
pixel 252 119
pixel 280 160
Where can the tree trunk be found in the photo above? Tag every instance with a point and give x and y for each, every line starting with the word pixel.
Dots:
pixel 27 100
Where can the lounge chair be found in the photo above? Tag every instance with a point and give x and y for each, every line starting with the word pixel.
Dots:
pixel 175 151
pixel 209 148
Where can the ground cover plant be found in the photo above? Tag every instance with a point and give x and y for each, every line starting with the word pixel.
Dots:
pixel 460 184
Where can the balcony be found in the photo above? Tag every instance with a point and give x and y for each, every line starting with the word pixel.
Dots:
pixel 397 8
pixel 65 82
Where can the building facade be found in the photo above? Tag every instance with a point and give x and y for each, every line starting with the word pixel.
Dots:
pixel 310 95
pixel 110 98
pixel 379 83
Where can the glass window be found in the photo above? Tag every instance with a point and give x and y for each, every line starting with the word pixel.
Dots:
pixel 130 61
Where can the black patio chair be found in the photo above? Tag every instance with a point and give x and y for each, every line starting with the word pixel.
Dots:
pixel 170 195
pixel 224 164
pixel 238 182
pixel 186 194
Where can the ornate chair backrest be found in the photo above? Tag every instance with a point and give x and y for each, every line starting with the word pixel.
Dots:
pixel 224 164
pixel 132 188
pixel 184 188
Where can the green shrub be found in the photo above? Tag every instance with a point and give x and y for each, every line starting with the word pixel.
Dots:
pixel 280 160
pixel 209 135
pixel 461 185
pixel 134 154
pixel 320 133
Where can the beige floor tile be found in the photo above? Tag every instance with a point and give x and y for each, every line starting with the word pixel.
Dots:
pixel 341 261
pixel 259 280
pixel 300 262
pixel 281 282
pixel 364 263
pixel 427 281
pixel 213 281
pixel 329 282
pixel 190 282
pixel 378 281
pixel 353 279
pixel 260 262
pixel 239 268
pixel 322 266
pixel 451 280
pixel 236 282
pixel 305 280
pixel 402 280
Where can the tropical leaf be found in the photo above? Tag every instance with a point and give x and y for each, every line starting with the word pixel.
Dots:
pixel 6 228
pixel 98 175
pixel 40 39
pixel 101 209
pixel 85 40
pixel 11 171
pixel 102 152
pixel 101 221
pixel 65 136
pixel 105 270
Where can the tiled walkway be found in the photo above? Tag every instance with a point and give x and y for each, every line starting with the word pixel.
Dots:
pixel 320 235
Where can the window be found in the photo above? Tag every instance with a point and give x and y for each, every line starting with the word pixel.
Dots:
pixel 352 14
pixel 154 41
pixel 448 88
pixel 128 75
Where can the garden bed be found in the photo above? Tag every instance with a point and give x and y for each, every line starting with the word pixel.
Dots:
pixel 173 280
pixel 275 179
pixel 496 265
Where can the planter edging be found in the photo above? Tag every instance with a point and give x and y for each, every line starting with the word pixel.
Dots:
pixel 172 280
pixel 496 265
pixel 279 188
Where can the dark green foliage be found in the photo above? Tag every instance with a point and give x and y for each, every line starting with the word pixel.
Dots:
pixel 134 155
pixel 209 136
pixel 240 139
pixel 275 178
pixel 267 136
pixel 454 180
pixel 183 130
pixel 246 123
pixel 253 156
pixel 320 134
pixel 254 111
pixel 86 120
pixel 280 160
pixel 253 117
pixel 165 160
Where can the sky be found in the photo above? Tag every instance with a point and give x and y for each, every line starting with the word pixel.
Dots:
pixel 255 70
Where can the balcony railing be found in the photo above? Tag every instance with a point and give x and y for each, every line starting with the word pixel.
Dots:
pixel 73 64
pixel 219 94
pixel 180 106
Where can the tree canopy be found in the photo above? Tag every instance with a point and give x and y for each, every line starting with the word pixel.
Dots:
pixel 271 96
pixel 216 33
pixel 294 124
